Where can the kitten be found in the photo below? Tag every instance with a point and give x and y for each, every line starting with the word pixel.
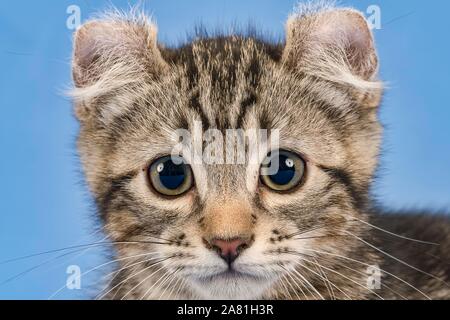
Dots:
pixel 185 229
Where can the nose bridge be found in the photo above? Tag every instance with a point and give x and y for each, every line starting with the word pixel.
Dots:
pixel 228 220
pixel 227 180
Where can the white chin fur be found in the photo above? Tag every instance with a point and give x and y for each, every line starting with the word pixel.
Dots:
pixel 231 289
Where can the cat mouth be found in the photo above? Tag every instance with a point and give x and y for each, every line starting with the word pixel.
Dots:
pixel 228 275
pixel 230 284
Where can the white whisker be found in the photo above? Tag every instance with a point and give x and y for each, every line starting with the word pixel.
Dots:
pixel 368 265
pixel 396 259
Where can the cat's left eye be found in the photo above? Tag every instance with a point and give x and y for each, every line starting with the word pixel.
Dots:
pixel 282 170
pixel 170 176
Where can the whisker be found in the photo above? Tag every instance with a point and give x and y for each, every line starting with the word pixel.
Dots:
pixel 182 287
pixel 368 265
pixel 319 237
pixel 303 284
pixel 284 286
pixel 307 230
pixel 163 276
pixel 331 283
pixel 309 283
pixel 299 285
pixel 348 278
pixel 98 267
pixel 326 281
pixel 296 284
pixel 173 277
pixel 95 244
pixel 397 259
pixel 141 282
pixel 135 274
pixel 175 286
pixel 18 275
pixel 362 273
pixel 395 234
pixel 117 272
pixel 357 283
pixel 83 250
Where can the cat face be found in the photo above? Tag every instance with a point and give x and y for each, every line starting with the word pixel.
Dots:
pixel 188 226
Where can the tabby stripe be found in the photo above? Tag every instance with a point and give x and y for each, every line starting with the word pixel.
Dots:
pixel 344 178
pixel 195 105
pixel 116 186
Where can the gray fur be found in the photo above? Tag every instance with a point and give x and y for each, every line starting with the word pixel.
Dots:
pixel 320 89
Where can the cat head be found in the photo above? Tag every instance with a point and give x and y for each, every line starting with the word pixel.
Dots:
pixel 205 216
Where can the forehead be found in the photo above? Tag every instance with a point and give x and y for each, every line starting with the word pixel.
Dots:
pixel 232 83
pixel 222 76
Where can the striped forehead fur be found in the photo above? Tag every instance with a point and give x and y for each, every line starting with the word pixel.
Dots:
pixel 319 88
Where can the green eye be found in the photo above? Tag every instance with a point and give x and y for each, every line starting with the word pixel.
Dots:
pixel 282 170
pixel 170 176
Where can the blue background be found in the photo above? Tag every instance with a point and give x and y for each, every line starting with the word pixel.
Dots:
pixel 44 204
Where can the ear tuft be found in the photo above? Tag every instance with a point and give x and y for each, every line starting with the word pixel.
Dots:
pixel 336 44
pixel 115 47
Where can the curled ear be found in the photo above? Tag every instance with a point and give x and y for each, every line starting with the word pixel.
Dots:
pixel 336 44
pixel 114 52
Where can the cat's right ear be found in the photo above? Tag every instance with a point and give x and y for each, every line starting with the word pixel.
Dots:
pixel 113 53
pixel 334 44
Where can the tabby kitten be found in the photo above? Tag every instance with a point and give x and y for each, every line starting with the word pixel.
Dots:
pixel 185 229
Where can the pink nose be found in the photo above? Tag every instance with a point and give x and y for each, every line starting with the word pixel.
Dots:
pixel 229 250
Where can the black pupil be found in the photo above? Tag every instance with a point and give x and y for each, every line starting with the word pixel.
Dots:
pixel 286 171
pixel 171 175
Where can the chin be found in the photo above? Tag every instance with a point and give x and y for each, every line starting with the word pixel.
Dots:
pixel 230 285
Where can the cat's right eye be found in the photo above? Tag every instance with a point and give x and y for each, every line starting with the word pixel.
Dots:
pixel 170 176
pixel 282 170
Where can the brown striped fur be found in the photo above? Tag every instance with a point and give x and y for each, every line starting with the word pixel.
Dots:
pixel 320 89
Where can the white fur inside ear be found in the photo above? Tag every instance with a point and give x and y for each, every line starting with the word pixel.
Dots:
pixel 336 44
pixel 114 52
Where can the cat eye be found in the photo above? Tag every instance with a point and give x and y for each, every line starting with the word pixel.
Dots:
pixel 282 170
pixel 170 176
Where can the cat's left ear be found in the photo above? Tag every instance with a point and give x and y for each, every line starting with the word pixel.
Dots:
pixel 113 53
pixel 336 44
pixel 100 45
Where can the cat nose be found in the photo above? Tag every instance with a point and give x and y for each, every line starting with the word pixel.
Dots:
pixel 230 249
